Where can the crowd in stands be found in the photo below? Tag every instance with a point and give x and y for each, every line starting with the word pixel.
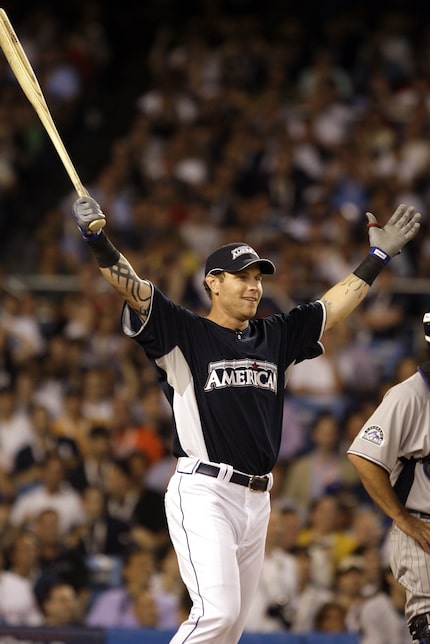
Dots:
pixel 207 125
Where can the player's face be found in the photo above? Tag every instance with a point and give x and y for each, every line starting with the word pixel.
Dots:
pixel 240 293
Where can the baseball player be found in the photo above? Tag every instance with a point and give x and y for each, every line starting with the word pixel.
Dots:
pixel 224 376
pixel 392 456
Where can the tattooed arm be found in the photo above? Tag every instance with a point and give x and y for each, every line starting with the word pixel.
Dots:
pixel 112 264
pixel 136 291
pixel 343 298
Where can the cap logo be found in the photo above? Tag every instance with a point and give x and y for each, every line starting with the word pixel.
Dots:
pixel 241 250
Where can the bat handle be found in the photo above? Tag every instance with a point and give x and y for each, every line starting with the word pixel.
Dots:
pixel 97 224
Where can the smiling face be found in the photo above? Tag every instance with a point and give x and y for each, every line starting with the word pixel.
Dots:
pixel 235 296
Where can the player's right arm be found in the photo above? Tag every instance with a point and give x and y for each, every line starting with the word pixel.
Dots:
pixel 376 481
pixel 116 269
pixel 135 291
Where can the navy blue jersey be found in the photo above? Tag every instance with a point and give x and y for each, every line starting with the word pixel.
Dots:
pixel 226 388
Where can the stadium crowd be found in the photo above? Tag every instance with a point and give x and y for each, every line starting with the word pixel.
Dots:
pixel 217 123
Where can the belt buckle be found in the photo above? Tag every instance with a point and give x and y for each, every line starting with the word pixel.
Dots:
pixel 254 478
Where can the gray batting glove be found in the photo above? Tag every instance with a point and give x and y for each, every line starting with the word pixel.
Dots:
pixel 88 217
pixel 402 226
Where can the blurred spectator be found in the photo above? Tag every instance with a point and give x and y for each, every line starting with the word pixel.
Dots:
pixel 367 527
pixel 18 605
pixel 105 343
pixel 323 469
pixel 30 458
pixel 291 519
pixel 22 557
pixel 144 431
pixel 52 492
pixel 15 429
pixel 355 362
pixel 54 373
pixel 70 423
pixel 60 605
pixel 101 533
pixel 145 609
pixel 131 502
pixel 318 387
pixel 80 316
pixel 115 607
pixel 326 542
pixel 382 616
pixel 97 390
pixel 18 318
pixel 348 590
pixel 93 465
pixel 372 567
pixel 309 597
pixel 330 618
pixel 382 318
pixel 59 558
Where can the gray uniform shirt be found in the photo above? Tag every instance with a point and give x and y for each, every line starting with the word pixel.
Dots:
pixel 400 427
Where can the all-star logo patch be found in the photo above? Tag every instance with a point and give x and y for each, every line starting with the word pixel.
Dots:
pixel 241 250
pixel 373 434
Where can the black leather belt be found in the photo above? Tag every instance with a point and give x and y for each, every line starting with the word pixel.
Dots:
pixel 421 515
pixel 254 483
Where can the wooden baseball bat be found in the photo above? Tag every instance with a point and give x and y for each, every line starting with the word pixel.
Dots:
pixel 26 78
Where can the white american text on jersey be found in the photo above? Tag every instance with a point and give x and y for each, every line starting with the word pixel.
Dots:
pixel 242 373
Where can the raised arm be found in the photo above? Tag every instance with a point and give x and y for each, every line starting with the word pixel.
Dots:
pixel 135 290
pixel 113 265
pixel 346 295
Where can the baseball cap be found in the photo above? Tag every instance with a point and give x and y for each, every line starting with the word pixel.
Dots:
pixel 235 257
pixel 426 325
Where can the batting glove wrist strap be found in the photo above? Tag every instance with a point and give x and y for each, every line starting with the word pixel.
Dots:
pixel 370 268
pixel 380 254
pixel 104 251
pixel 88 235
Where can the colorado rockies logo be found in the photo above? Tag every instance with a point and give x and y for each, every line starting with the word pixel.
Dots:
pixel 242 373
pixel 373 434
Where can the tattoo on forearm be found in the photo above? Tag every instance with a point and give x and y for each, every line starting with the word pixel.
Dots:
pixel 352 285
pixel 125 277
pixel 355 284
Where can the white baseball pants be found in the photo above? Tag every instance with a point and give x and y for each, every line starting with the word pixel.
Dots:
pixel 218 530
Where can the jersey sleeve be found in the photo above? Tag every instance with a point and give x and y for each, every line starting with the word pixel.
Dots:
pixel 305 325
pixel 382 438
pixel 162 330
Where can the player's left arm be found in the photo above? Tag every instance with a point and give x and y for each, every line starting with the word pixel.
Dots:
pixel 344 297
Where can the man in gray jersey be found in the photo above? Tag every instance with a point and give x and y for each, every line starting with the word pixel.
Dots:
pixel 392 456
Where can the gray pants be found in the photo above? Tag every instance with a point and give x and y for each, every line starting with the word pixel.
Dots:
pixel 411 567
